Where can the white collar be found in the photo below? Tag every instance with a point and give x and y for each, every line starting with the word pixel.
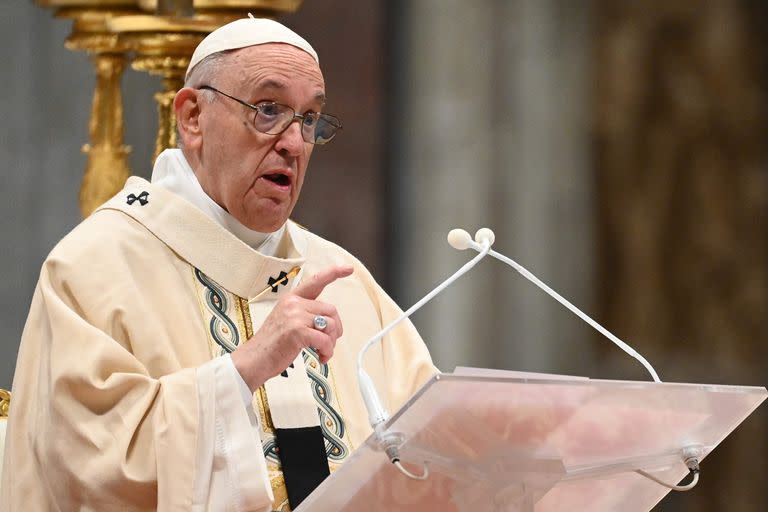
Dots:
pixel 173 173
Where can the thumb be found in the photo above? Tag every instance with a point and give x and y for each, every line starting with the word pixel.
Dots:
pixel 313 286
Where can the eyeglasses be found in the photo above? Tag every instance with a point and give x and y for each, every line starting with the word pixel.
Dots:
pixel 274 118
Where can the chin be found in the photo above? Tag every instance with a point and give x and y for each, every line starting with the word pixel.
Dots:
pixel 264 227
pixel 263 218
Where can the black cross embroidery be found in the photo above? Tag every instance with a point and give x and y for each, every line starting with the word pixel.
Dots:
pixel 284 373
pixel 142 198
pixel 275 282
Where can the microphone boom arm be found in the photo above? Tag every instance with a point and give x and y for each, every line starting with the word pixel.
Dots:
pixel 377 414
pixel 573 309
pixel 461 240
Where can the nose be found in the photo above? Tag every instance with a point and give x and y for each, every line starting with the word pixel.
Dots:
pixel 291 140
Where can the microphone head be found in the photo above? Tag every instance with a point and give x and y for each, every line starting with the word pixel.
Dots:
pixel 459 239
pixel 483 235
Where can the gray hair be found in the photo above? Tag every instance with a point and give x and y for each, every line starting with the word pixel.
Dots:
pixel 206 70
pixel 204 73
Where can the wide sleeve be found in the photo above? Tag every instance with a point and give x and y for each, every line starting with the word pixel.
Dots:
pixel 231 471
pixel 92 428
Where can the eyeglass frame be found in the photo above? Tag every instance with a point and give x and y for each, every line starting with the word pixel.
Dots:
pixel 329 118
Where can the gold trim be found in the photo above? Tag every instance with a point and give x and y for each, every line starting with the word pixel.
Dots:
pixel 243 323
pixel 154 24
pixel 341 408
pixel 245 316
pixel 280 491
pixel 261 407
pixel 264 411
pixel 5 402
pixel 260 396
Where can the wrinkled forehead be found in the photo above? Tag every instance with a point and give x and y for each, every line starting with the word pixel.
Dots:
pixel 274 65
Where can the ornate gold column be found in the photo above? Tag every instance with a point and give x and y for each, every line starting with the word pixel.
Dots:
pixel 107 157
pixel 163 47
pixel 5 403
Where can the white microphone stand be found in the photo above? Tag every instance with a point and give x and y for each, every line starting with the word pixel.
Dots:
pixel 573 309
pixel 461 240
pixel 377 413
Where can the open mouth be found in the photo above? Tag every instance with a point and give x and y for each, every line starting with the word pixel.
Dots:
pixel 279 179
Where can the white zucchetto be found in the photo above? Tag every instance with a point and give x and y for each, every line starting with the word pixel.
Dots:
pixel 248 32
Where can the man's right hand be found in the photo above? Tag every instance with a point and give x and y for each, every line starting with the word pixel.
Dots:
pixel 289 328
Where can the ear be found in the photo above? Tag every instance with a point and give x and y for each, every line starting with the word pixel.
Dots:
pixel 186 105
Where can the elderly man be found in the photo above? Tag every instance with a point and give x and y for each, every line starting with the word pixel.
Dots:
pixel 184 348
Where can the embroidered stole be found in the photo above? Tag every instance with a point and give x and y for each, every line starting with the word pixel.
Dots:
pixel 303 436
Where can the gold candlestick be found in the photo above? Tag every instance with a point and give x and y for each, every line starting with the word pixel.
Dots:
pixel 5 402
pixel 163 47
pixel 107 156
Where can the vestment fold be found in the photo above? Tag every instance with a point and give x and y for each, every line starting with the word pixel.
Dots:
pixel 120 401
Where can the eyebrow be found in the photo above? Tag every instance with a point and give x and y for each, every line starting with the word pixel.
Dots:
pixel 271 83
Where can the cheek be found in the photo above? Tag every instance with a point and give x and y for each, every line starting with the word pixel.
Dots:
pixel 300 177
pixel 238 183
pixel 304 161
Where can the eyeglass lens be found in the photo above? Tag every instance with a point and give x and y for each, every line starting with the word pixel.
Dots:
pixel 274 118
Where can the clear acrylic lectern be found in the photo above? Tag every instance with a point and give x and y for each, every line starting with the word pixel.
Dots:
pixel 536 444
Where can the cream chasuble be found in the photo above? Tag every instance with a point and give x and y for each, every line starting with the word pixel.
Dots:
pixel 120 399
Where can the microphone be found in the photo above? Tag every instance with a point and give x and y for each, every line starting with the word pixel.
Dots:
pixel 460 239
pixel 457 238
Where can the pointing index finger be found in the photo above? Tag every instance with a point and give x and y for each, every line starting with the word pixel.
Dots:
pixel 313 286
